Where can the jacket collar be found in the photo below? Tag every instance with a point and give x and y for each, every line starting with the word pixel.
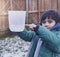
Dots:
pixel 57 25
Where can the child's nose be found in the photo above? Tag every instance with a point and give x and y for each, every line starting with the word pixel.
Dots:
pixel 46 24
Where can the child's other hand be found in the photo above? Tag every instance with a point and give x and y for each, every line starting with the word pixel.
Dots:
pixel 31 26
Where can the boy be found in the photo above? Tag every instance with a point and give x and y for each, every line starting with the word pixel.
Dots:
pixel 48 31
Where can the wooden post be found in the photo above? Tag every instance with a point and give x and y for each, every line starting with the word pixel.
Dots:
pixel 39 9
pixel 27 10
pixel 11 4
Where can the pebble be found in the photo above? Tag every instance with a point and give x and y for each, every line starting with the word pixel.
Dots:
pixel 13 47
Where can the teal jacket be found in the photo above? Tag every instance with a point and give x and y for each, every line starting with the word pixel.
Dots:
pixel 51 41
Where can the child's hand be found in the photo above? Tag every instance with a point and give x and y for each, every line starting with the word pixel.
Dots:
pixel 31 26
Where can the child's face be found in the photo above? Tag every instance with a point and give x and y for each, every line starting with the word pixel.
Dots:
pixel 48 23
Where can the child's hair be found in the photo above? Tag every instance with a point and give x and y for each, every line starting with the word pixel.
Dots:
pixel 51 14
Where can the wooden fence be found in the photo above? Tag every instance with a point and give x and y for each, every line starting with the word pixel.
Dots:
pixel 34 9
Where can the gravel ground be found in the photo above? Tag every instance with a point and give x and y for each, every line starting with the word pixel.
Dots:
pixel 13 47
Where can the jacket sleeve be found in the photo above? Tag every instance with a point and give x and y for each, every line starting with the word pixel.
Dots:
pixel 51 38
pixel 26 35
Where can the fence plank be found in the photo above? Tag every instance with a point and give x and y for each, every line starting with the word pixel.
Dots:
pixel 33 18
pixel 32 5
pixel 41 6
pixel 47 4
pixel 58 6
pixel 18 4
pixel 54 4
